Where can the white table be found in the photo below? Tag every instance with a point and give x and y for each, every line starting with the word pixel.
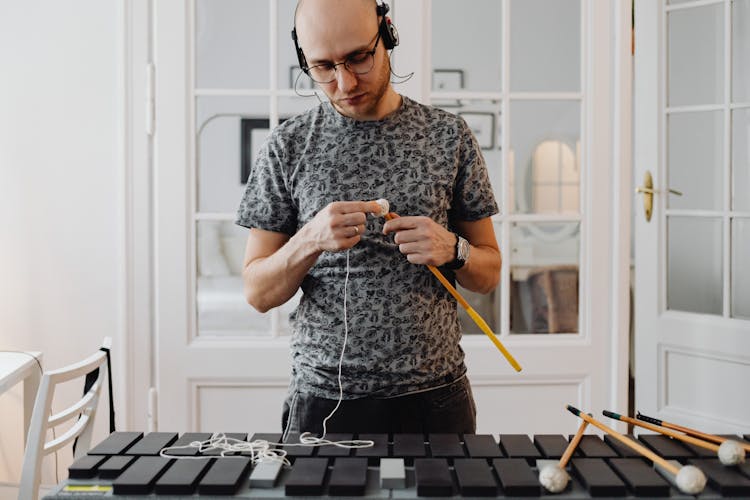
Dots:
pixel 21 366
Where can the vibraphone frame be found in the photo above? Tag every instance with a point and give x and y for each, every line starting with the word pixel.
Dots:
pixel 128 464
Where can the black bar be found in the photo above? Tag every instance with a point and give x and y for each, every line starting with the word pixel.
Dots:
pixel 445 446
pixel 152 443
pixel 225 476
pixel 116 443
pixel 307 477
pixel 623 450
pixel 349 477
pixel 298 450
pixel 377 451
pixel 552 446
pixel 744 469
pixel 185 440
pixel 433 477
pixel 640 477
pixel 114 466
pixel 332 450
pixel 516 477
pixel 86 466
pixel 409 446
pixel 727 480
pixel 482 446
pixel 474 477
pixel 598 478
pixel 182 477
pixel 669 448
pixel 519 446
pixel 592 446
pixel 699 451
pixel 139 478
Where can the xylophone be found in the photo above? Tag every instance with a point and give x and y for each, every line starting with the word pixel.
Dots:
pixel 397 466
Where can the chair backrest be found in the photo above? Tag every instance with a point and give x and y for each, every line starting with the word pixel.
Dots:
pixel 41 420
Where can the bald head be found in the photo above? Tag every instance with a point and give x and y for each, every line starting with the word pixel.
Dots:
pixel 333 23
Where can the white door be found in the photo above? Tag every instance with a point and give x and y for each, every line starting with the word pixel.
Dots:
pixel 544 114
pixel 692 286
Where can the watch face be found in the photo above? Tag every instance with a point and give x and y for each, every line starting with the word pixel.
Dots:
pixel 463 249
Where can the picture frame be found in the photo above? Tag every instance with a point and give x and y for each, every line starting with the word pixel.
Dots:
pixel 445 80
pixel 482 125
pixel 299 80
pixel 253 131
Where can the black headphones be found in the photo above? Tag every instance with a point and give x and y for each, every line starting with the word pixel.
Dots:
pixel 388 33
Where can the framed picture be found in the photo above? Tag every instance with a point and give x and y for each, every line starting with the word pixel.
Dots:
pixel 482 124
pixel 253 131
pixel 299 80
pixel 445 80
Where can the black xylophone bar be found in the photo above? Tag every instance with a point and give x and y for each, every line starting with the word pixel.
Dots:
pixel 474 465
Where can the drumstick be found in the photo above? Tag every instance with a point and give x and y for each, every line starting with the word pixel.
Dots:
pixel 689 479
pixel 470 310
pixel 555 478
pixel 687 430
pixel 731 453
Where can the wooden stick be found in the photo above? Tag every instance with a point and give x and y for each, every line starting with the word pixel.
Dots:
pixel 627 442
pixel 663 430
pixel 573 444
pixel 470 310
pixel 692 432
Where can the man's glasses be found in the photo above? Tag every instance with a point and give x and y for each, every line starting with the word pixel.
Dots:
pixel 358 63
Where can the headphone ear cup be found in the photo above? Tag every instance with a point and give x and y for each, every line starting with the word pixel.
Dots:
pixel 388 33
pixel 300 55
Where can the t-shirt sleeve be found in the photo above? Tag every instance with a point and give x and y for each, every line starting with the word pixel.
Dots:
pixel 267 203
pixel 473 196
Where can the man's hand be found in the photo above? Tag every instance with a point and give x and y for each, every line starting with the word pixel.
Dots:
pixel 422 240
pixel 339 226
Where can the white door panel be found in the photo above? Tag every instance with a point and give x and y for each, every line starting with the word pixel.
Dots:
pixel 692 333
pixel 548 139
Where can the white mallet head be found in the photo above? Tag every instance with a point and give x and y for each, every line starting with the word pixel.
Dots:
pixel 731 453
pixel 554 478
pixel 385 207
pixel 690 480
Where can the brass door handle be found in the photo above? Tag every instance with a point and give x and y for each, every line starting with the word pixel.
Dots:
pixel 648 192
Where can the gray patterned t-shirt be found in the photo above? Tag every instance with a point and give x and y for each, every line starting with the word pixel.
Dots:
pixel 403 326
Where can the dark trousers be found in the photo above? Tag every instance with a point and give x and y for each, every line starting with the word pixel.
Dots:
pixel 446 409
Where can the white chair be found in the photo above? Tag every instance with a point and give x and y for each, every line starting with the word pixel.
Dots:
pixel 41 420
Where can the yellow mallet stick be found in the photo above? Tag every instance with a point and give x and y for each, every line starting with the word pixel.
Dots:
pixel 470 310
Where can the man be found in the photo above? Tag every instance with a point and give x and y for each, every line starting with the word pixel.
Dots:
pixel 307 207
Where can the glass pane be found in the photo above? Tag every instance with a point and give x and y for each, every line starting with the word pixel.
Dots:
pixel 289 72
pixel 231 44
pixel 466 48
pixel 741 51
pixel 221 305
pixel 544 277
pixel 694 267
pixel 544 156
pixel 545 45
pixel 696 55
pixel 695 152
pixel 229 131
pixel 741 159
pixel 740 269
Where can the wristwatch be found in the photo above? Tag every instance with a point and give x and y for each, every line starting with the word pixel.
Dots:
pixel 462 254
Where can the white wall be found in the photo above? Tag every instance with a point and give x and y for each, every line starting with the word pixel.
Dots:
pixel 61 229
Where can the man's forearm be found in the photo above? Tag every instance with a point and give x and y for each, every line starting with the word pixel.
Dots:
pixel 273 280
